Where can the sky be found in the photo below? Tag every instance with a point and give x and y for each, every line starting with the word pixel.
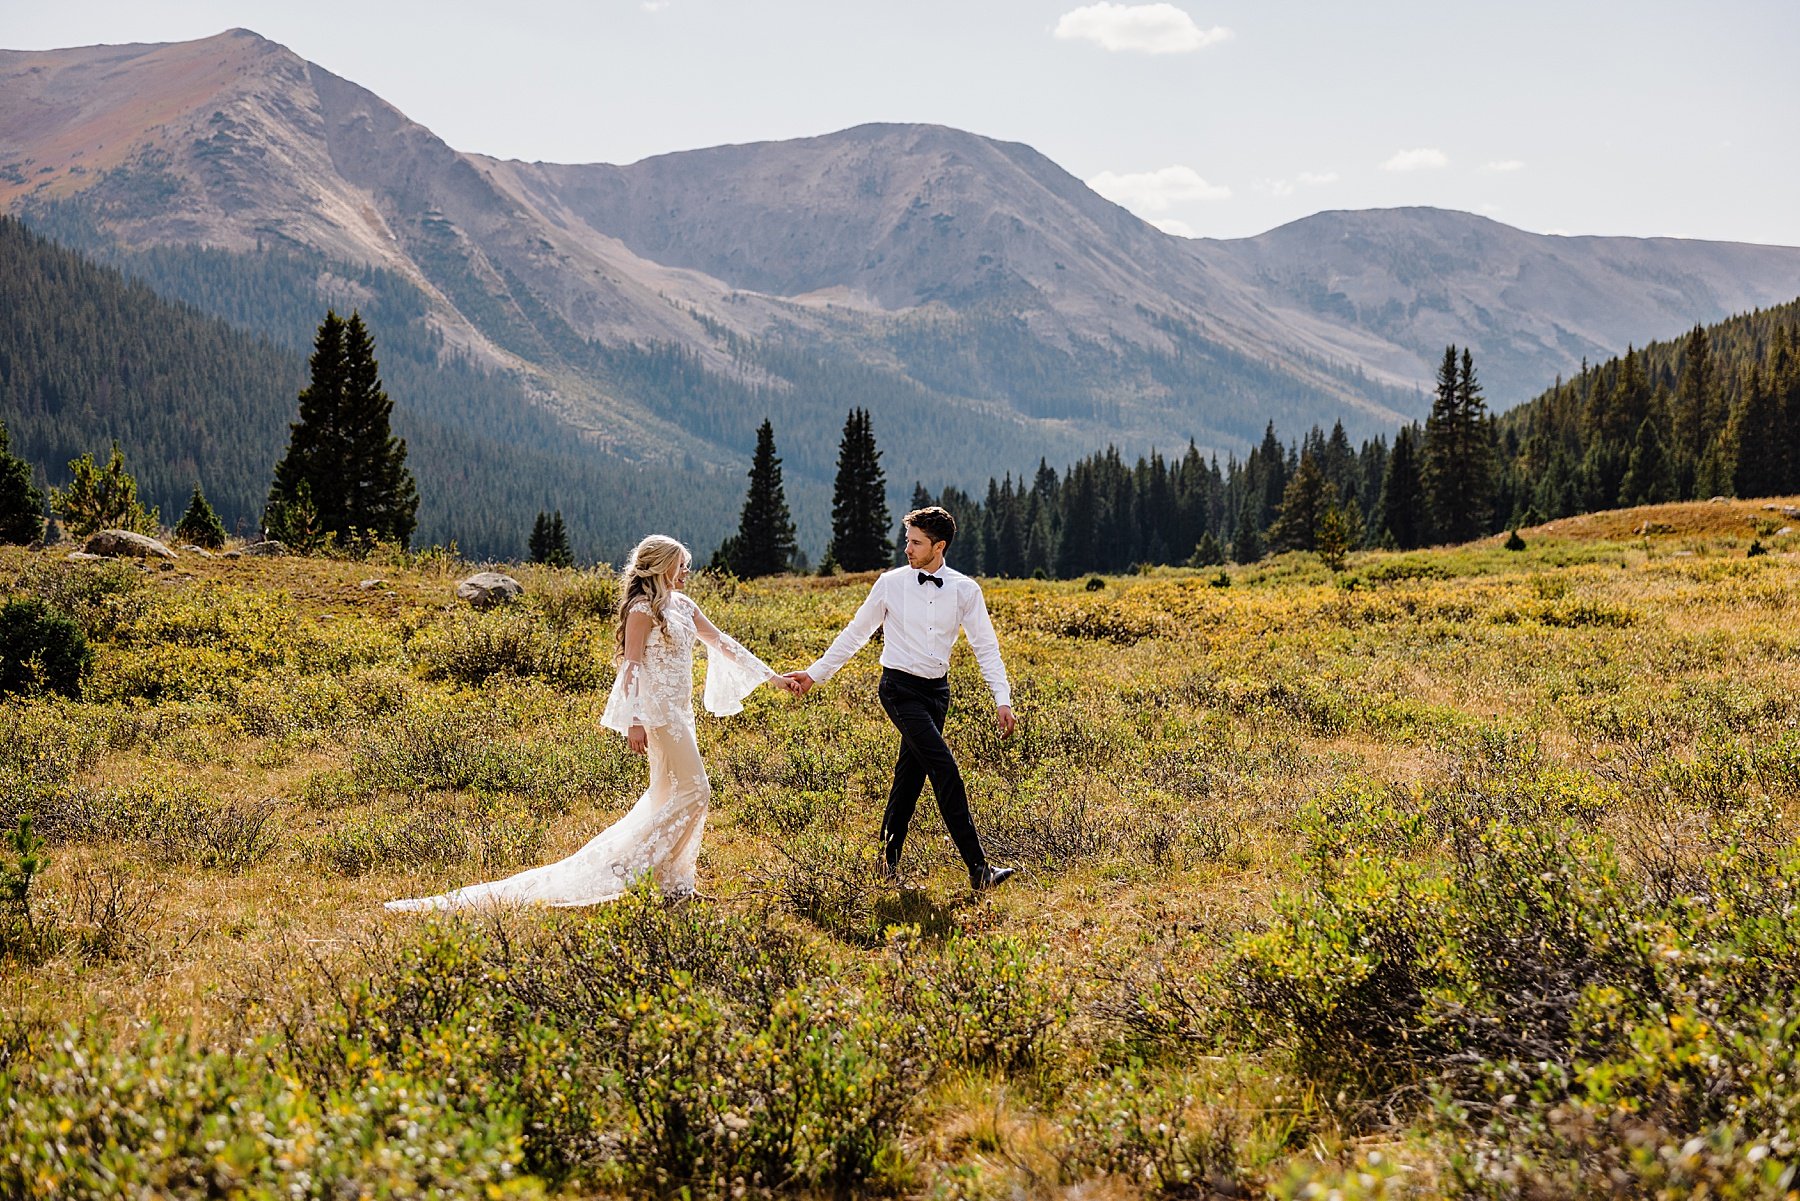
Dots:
pixel 1208 118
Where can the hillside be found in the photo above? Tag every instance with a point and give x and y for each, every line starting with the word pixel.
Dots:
pixel 661 308
pixel 86 356
pixel 1714 413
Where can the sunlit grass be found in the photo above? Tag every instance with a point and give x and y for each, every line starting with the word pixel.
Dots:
pixel 1201 771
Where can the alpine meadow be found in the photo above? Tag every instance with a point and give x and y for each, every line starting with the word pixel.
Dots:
pixel 1391 787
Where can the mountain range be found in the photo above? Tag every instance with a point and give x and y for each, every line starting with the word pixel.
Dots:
pixel 982 302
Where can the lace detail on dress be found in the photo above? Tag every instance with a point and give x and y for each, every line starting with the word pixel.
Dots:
pixel 660 837
pixel 659 691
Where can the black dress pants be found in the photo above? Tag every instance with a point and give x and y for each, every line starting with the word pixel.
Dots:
pixel 917 707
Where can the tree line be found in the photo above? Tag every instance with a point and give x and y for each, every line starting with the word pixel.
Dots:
pixel 1714 413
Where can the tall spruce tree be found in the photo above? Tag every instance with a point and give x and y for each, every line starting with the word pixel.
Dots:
pixel 538 545
pixel 1404 518
pixel 1458 453
pixel 549 543
pixel 1309 495
pixel 859 510
pixel 764 544
pixel 21 501
pixel 557 552
pixel 1649 477
pixel 343 447
pixel 1246 541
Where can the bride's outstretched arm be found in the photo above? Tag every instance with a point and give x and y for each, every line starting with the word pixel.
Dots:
pixel 732 671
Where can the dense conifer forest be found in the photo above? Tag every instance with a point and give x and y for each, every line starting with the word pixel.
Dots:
pixel 1714 413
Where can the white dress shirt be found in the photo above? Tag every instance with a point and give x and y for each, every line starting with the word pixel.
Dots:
pixel 919 623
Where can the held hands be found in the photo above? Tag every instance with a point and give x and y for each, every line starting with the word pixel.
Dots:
pixel 799 683
pixel 788 685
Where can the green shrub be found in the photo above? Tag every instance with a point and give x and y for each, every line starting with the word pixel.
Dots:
pixel 20 863
pixel 451 747
pixel 826 878
pixel 92 1121
pixel 1395 571
pixel 41 651
pixel 471 648
pixel 101 597
pixel 990 1002
pixel 645 1048
pixel 1159 1133
pixel 568 598
pixel 177 821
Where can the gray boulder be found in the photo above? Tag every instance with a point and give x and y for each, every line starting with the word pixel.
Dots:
pixel 116 544
pixel 485 589
pixel 267 547
pixel 196 549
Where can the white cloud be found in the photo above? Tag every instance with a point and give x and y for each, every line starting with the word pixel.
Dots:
pixel 1274 187
pixel 1318 179
pixel 1155 191
pixel 1490 209
pixel 654 6
pixel 1180 229
pixel 1502 165
pixel 1425 158
pixel 1150 28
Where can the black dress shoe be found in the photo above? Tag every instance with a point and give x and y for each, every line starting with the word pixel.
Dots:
pixel 987 876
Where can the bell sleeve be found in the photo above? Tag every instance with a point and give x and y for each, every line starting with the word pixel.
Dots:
pixel 627 705
pixel 732 672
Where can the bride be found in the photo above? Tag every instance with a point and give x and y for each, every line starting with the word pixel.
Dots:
pixel 652 705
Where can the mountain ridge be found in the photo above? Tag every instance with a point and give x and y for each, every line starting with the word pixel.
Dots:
pixel 973 280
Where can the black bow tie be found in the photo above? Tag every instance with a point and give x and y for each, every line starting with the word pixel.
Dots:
pixel 931 579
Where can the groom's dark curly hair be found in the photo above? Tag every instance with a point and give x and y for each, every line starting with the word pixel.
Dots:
pixel 935 523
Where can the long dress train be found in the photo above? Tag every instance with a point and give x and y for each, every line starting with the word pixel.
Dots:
pixel 660 837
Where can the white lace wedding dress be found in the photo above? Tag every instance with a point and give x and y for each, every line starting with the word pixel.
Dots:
pixel 661 835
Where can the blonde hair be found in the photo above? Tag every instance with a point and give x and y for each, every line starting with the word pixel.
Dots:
pixel 646 577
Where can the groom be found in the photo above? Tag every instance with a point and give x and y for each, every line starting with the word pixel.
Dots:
pixel 920 609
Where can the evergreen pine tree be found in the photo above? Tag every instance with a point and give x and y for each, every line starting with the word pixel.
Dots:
pixel 343 447
pixel 1246 542
pixel 1303 505
pixel 1649 477
pixel 1458 453
pixel 859 508
pixel 102 498
pixel 21 501
pixel 764 544
pixel 557 552
pixel 199 524
pixel 539 544
pixel 1334 536
pixel 1207 552
pixel 1402 516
